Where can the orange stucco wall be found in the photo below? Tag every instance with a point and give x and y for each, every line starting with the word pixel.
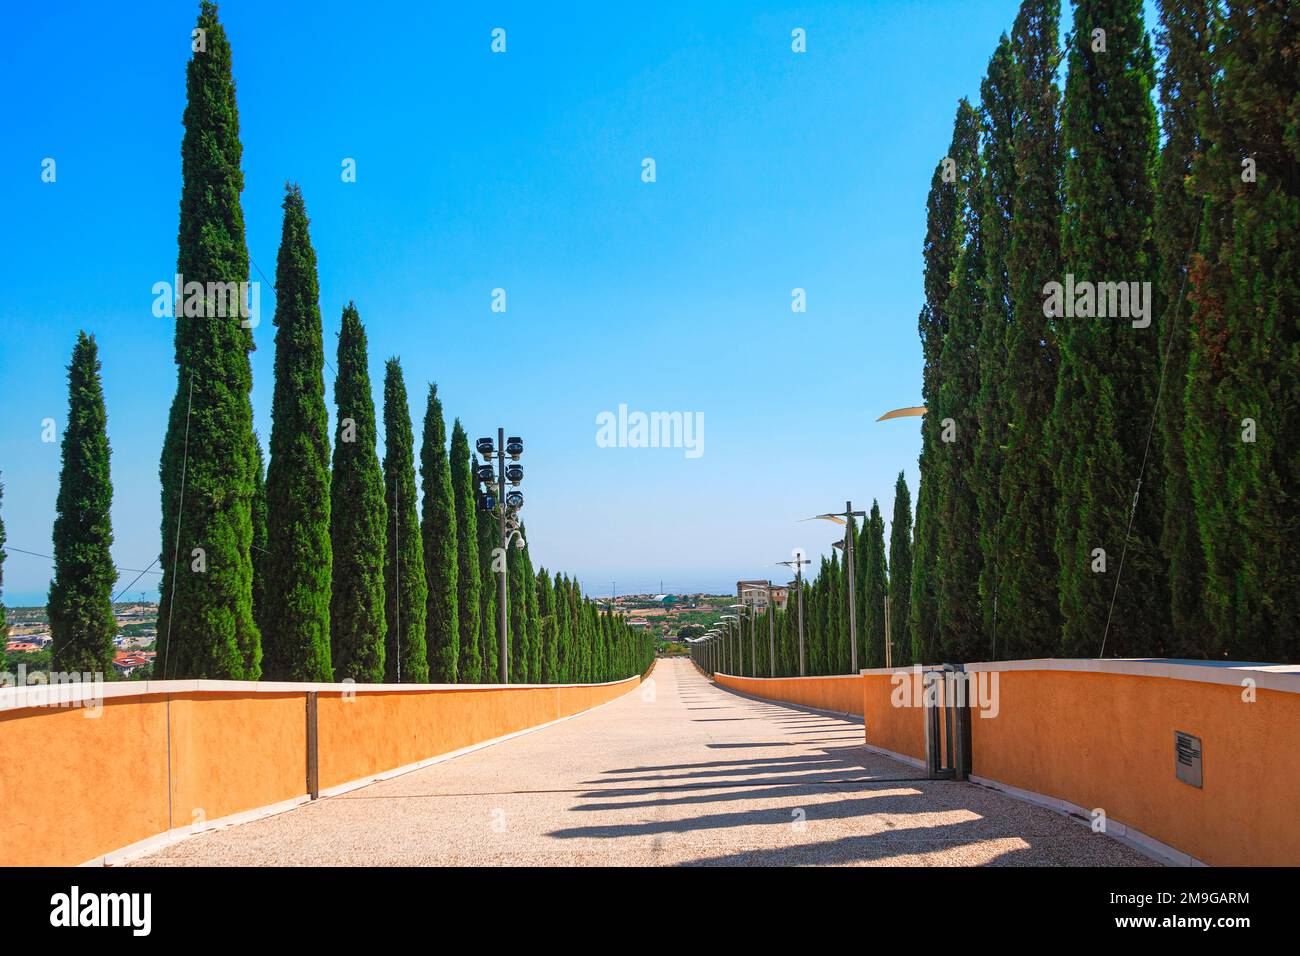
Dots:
pixel 900 729
pixel 840 694
pixel 74 787
pixel 1107 741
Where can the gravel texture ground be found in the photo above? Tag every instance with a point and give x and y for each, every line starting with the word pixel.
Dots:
pixel 678 772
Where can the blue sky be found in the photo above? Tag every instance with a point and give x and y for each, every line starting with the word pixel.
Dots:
pixel 519 171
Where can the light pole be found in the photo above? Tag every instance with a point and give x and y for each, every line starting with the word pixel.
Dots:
pixel 771 631
pixel 845 518
pixel 797 563
pixel 727 656
pixel 740 639
pixel 506 505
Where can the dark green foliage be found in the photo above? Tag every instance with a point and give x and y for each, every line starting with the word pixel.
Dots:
pixel 81 595
pixel 942 245
pixel 405 590
pixel 442 617
pixel 489 587
pixel 900 573
pixel 1245 340
pixel 1185 82
pixel 1028 616
pixel 259 550
pixel 548 625
pixel 994 401
pixel 295 616
pixel 470 669
pixel 518 581
pixel 958 560
pixel 358 517
pixel 205 618
pixel 872 557
pixel 1109 369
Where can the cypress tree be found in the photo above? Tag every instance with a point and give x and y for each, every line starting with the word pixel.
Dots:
pixel 489 585
pixel 468 606
pixel 998 110
pixel 517 616
pixel 1243 422
pixel 405 590
pixel 438 528
pixel 533 618
pixel 1028 605
pixel 1109 369
pixel 81 595
pixel 549 628
pixel 563 634
pixel 958 564
pixel 358 517
pixel 295 622
pixel 873 557
pixel 259 550
pixel 942 245
pixel 205 616
pixel 1186 79
pixel 900 573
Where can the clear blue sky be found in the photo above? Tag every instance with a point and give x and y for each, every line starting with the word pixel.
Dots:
pixel 520 171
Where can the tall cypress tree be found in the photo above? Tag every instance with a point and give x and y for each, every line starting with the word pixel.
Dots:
pixel 1185 81
pixel 1109 369
pixel 877 587
pixel 1028 605
pixel 958 563
pixel 438 528
pixel 548 624
pixel 998 111
pixel 1243 421
pixel 205 616
pixel 295 621
pixel 405 591
pixel 489 585
pixel 81 595
pixel 259 550
pixel 900 573
pixel 468 607
pixel 358 517
pixel 942 245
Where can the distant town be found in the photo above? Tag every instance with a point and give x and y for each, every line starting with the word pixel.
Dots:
pixel 134 645
pixel 669 618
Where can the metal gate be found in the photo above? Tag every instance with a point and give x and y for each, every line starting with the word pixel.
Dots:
pixel 947 722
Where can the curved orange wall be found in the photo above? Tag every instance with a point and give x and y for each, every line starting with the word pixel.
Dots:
pixel 842 694
pixel 74 787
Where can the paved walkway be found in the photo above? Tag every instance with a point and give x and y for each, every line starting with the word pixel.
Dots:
pixel 679 772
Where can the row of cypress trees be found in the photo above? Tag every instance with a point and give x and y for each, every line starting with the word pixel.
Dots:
pixel 1091 484
pixel 318 567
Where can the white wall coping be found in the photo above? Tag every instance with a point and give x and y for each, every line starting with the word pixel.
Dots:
pixel 1281 677
pixel 808 677
pixel 56 695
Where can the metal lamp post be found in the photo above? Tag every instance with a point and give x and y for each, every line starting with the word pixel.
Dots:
pixel 797 563
pixel 506 505
pixel 844 517
pixel 771 632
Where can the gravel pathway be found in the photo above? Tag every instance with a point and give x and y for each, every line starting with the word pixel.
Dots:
pixel 678 772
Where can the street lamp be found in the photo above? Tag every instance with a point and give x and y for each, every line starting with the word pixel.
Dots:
pixel 740 638
pixel 766 591
pixel 505 504
pixel 797 563
pixel 844 518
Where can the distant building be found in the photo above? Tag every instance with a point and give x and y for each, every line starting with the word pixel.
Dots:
pixel 757 599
